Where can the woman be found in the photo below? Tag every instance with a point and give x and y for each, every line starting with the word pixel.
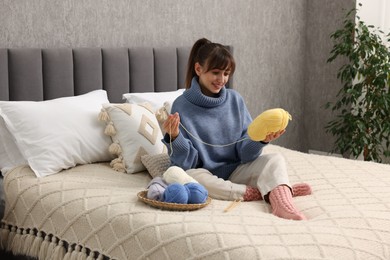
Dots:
pixel 206 135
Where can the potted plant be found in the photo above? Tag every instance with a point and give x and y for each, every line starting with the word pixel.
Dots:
pixel 362 106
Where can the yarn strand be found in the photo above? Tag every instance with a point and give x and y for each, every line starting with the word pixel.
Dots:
pixel 200 140
pixel 197 138
pixel 213 145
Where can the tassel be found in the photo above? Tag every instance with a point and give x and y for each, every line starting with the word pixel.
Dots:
pixel 16 243
pixel 91 256
pixel 11 238
pixel 116 160
pixel 43 250
pixel 19 247
pixel 161 115
pixel 103 115
pixel 74 255
pixel 22 241
pixel 4 237
pixel 68 253
pixel 83 254
pixel 115 148
pixel 34 250
pixel 118 165
pixel 59 251
pixel 51 247
pixel 28 242
pixel 110 129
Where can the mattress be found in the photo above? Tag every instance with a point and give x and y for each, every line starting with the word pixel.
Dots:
pixel 92 210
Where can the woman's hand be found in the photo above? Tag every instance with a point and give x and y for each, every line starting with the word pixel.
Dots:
pixel 273 136
pixel 171 125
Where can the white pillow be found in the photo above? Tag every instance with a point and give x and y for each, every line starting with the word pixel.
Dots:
pixel 58 134
pixel 155 99
pixel 10 156
pixel 134 131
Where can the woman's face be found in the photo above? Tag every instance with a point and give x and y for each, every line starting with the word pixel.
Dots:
pixel 212 81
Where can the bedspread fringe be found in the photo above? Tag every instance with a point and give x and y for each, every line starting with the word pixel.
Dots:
pixel 4 237
pixel 34 243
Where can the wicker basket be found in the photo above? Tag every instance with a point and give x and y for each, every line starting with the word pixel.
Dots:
pixel 171 206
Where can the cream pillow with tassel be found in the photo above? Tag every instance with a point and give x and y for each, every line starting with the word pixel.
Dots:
pixel 134 131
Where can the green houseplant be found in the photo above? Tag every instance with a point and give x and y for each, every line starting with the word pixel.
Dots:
pixel 362 106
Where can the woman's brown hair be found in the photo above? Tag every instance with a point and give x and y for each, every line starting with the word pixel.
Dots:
pixel 209 55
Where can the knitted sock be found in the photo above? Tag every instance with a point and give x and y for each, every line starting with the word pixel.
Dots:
pixel 281 203
pixel 251 194
pixel 299 189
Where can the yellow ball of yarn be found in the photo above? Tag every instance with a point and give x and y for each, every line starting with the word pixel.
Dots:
pixel 270 121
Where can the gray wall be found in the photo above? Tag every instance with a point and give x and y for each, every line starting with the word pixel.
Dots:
pixel 321 84
pixel 280 45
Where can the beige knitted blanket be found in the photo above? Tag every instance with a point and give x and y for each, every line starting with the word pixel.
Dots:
pixel 91 212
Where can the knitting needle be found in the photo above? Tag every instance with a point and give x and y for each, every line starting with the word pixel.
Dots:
pixel 232 205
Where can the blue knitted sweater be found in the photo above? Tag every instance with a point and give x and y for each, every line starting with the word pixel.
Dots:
pixel 215 120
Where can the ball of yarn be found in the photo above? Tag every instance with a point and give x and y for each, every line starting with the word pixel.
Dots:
pixel 198 193
pixel 270 121
pixel 176 174
pixel 156 188
pixel 176 193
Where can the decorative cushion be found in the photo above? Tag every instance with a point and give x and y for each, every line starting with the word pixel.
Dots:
pixel 156 164
pixel 60 133
pixel 155 99
pixel 134 131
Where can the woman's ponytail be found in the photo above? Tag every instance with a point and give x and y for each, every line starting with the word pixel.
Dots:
pixel 193 59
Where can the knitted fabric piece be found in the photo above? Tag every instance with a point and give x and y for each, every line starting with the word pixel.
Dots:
pixel 156 164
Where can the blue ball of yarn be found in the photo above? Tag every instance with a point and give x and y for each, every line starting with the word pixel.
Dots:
pixel 198 193
pixel 176 193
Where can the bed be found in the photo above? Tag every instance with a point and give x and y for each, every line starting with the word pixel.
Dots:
pixel 68 201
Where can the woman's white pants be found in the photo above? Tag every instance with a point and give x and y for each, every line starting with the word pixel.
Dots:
pixel 265 173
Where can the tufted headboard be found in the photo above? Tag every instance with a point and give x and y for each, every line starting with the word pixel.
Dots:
pixel 41 74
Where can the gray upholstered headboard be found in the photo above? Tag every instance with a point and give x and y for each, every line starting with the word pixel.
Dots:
pixel 41 74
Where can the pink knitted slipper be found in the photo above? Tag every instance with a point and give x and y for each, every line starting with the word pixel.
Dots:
pixel 281 203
